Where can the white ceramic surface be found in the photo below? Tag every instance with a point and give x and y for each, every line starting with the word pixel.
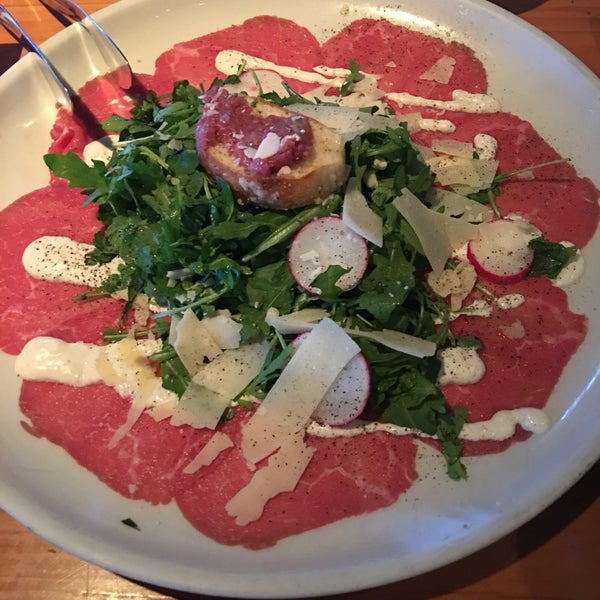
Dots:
pixel 437 521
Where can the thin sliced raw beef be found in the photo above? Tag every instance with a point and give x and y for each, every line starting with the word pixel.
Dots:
pixel 346 477
pixel 554 198
pixel 271 38
pixel 401 56
pixel 525 350
pixel 30 307
pixel 145 465
pixel 97 100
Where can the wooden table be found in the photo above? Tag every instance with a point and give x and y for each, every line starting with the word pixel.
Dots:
pixel 555 556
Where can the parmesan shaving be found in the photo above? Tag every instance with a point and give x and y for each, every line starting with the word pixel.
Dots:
pixel 357 215
pixel 453 148
pixel 282 473
pixel 299 322
pixel 217 384
pixel 456 283
pixel 218 443
pixel 456 205
pixel 295 322
pixel 124 367
pixel 289 404
pixel 441 71
pixel 346 121
pixel 224 330
pixel 192 342
pixel 439 234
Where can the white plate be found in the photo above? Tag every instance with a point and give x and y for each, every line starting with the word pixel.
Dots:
pixel 437 521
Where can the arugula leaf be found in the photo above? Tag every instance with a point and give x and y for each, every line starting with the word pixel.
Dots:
pixel 351 78
pixel 388 283
pixel 186 243
pixel 327 282
pixel 550 258
pixel 78 172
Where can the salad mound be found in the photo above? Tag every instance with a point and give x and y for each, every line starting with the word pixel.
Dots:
pixel 210 295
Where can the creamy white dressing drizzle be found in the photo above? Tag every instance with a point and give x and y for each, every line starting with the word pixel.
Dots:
pixel 461 101
pixel 122 366
pixel 228 62
pixel 501 426
pixel 486 146
pixel 62 260
pixel 509 301
pixel 572 271
pixel 441 125
pixel 460 366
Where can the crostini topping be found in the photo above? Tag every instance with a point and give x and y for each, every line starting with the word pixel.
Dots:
pixel 264 144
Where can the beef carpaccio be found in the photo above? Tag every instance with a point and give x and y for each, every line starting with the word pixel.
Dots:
pixel 347 476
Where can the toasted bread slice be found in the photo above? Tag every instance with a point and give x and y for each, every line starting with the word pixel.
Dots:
pixel 307 181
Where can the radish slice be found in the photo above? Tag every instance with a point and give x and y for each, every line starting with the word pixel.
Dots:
pixel 324 242
pixel 500 252
pixel 347 398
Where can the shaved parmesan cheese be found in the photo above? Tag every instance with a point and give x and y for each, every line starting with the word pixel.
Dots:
pixel 357 215
pixel 486 170
pixel 396 340
pixel 282 473
pixel 439 234
pixel 192 342
pixel 289 404
pixel 347 121
pixel 218 443
pixel 124 367
pixel 466 175
pixel 456 283
pixel 295 322
pixel 453 170
pixel 486 145
pixel 441 71
pixel 306 320
pixel 453 148
pixel 224 330
pixel 164 410
pixel 200 407
pixel 217 384
pixel 456 205
pixel 269 146
pixel 101 149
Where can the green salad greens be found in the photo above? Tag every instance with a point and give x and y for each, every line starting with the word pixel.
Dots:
pixel 186 243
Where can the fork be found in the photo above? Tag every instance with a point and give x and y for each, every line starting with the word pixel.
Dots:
pixel 15 29
pixel 112 54
pixel 72 12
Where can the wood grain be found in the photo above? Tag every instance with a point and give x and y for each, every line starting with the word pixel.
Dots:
pixel 553 557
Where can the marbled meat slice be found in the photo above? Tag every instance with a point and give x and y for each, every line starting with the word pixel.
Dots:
pixel 145 465
pixel 271 38
pixel 525 350
pixel 346 477
pixel 402 56
pixel 31 307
